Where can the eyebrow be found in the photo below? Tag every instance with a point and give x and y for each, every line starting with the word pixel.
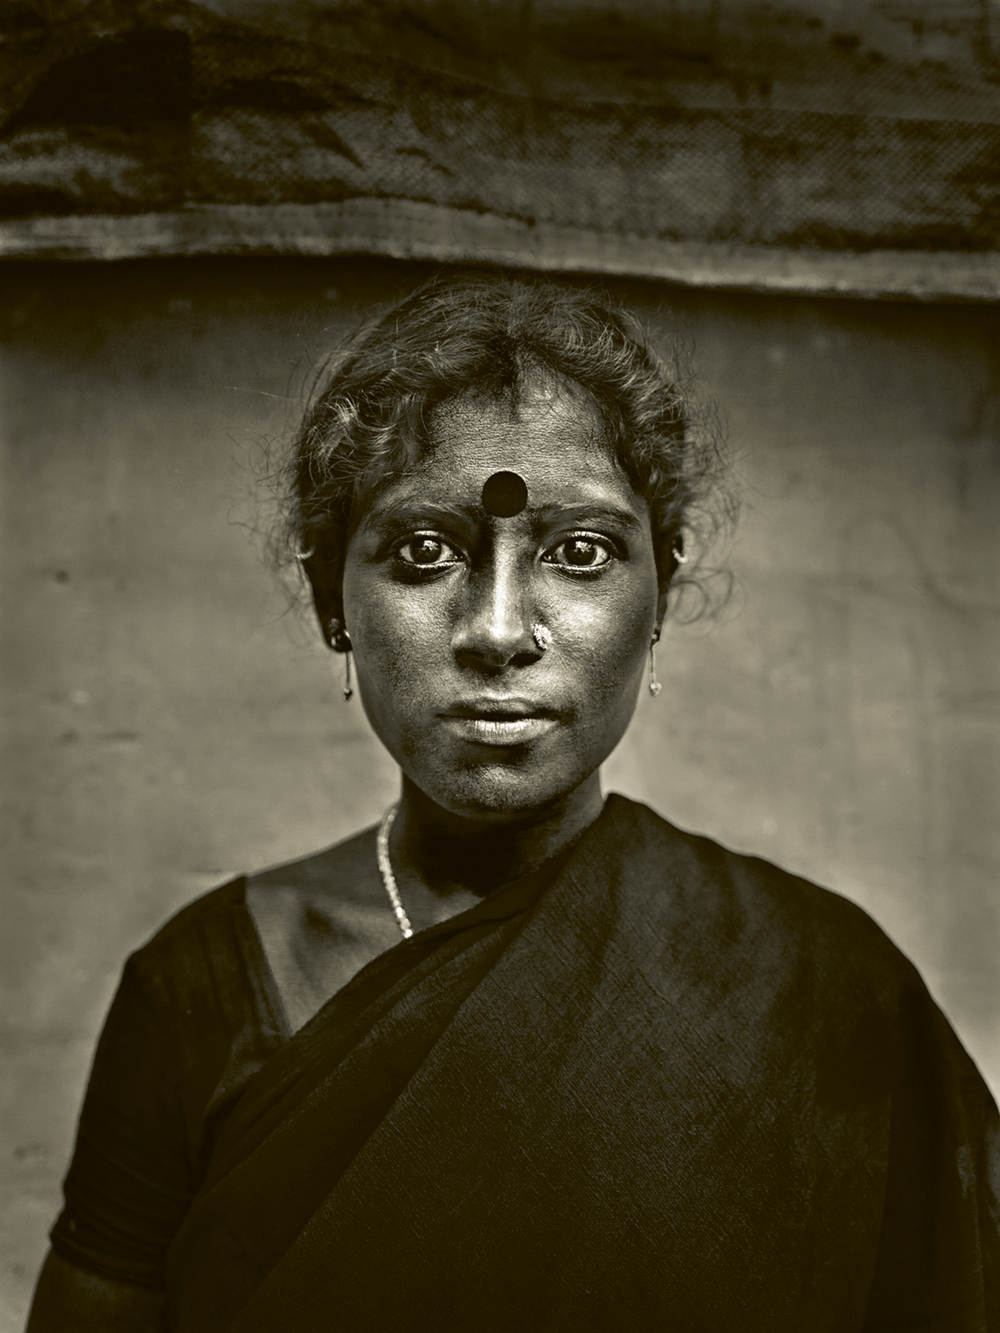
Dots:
pixel 414 513
pixel 596 512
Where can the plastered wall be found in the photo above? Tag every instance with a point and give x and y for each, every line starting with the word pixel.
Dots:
pixel 169 723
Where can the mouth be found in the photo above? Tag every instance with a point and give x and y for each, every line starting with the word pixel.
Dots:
pixel 500 721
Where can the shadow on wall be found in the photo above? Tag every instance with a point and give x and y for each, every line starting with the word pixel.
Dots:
pixel 172 724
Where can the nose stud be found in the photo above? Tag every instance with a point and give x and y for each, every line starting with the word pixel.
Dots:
pixel 542 636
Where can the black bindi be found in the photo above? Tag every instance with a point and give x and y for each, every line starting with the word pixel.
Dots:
pixel 504 494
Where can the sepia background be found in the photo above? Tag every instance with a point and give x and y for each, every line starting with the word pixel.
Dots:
pixel 197 199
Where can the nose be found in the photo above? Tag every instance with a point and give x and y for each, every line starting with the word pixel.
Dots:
pixel 494 629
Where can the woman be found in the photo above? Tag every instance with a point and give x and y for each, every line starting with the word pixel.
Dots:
pixel 521 1057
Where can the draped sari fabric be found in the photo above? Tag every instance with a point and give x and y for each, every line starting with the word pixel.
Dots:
pixel 667 1087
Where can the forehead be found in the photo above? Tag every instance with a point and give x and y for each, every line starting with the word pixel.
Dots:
pixel 551 436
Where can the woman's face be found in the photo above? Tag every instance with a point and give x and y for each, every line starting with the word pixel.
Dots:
pixel 442 597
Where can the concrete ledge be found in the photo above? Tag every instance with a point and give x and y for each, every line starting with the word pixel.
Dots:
pixel 405 229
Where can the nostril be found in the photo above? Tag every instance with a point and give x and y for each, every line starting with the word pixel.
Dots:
pixel 496 640
pixel 485 660
pixel 526 658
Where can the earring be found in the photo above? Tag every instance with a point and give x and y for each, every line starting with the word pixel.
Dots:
pixel 677 551
pixel 348 691
pixel 342 644
pixel 654 685
pixel 542 636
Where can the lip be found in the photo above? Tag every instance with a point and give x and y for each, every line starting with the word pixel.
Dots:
pixel 498 706
pixel 496 720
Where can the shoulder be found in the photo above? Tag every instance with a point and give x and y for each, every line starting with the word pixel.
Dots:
pixel 319 920
pixel 745 909
pixel 770 960
pixel 347 871
pixel 317 902
pixel 211 931
pixel 192 945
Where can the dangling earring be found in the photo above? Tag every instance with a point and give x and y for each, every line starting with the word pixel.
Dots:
pixel 654 685
pixel 341 641
pixel 348 691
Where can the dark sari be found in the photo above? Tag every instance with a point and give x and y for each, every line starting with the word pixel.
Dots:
pixel 666 1086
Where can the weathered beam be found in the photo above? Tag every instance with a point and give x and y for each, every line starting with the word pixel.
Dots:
pixel 406 229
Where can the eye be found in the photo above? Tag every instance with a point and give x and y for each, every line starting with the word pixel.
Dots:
pixel 581 553
pixel 427 550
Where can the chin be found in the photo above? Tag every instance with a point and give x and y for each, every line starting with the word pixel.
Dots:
pixel 497 791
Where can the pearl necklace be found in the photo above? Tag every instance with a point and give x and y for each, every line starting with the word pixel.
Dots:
pixel 388 878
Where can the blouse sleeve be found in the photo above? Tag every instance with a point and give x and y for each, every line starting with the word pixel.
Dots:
pixel 132 1178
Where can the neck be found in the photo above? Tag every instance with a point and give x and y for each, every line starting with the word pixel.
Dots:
pixel 451 853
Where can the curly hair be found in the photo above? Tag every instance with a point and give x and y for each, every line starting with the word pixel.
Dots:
pixel 370 419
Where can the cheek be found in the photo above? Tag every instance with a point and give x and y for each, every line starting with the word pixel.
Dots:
pixel 608 636
pixel 399 641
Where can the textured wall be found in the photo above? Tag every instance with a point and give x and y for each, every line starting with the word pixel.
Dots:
pixel 600 135
pixel 169 724
pixel 854 125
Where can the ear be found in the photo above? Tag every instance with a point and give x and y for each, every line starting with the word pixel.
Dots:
pixel 325 577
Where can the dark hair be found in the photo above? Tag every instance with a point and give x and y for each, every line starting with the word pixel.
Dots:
pixel 370 417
